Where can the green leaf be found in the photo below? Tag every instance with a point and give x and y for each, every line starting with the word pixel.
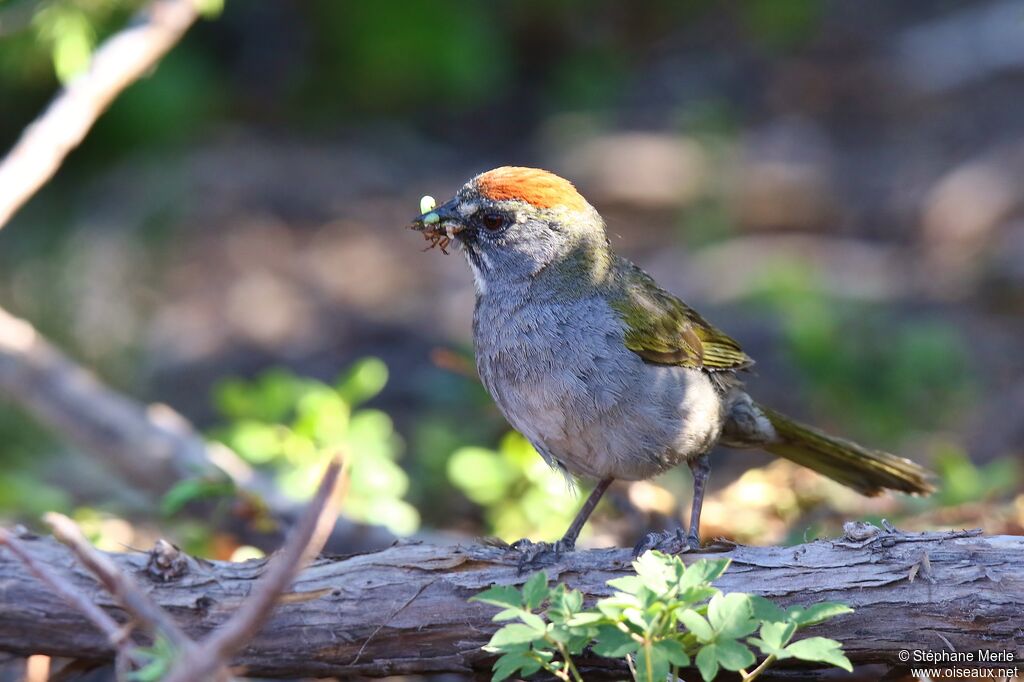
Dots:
pixel 210 9
pixel 508 614
pixel 817 613
pixel 707 662
pixel 564 604
pixel 189 490
pixel 506 666
pixel 639 617
pixel 765 610
pixel 585 618
pixel 732 655
pixel 611 608
pixel 731 615
pixel 158 658
pixel 767 648
pixel 697 624
pixel 820 650
pixel 530 667
pixel 777 635
pixel 654 570
pixel 697 593
pixel 560 634
pixel 534 621
pixel 516 633
pixel 703 571
pixel 651 664
pixel 630 584
pixel 674 651
pixel 500 595
pixel 535 590
pixel 577 643
pixel 611 642
pixel 573 600
pixel 364 380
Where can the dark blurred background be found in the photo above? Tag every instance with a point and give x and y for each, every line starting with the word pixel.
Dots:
pixel 837 184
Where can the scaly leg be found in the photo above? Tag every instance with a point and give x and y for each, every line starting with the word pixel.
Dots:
pixel 701 468
pixel 531 551
pixel 673 541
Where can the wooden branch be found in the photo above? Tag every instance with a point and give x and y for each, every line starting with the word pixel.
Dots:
pixel 404 610
pixel 118 582
pixel 304 543
pixel 118 63
pixel 74 598
pixel 151 446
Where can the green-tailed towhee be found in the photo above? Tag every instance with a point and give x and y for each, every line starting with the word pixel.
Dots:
pixel 608 375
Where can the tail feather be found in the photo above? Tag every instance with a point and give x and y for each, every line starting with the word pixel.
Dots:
pixel 863 469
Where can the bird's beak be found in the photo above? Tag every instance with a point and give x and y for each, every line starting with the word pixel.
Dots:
pixel 443 219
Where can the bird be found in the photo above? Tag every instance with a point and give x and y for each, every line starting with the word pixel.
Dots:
pixel 608 375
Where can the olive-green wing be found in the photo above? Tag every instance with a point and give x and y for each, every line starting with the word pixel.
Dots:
pixel 665 331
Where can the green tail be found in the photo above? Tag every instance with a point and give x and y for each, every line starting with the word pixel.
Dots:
pixel 866 471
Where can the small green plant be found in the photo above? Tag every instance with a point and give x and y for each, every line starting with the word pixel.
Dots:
pixel 289 426
pixel 156 661
pixel 520 494
pixel 666 617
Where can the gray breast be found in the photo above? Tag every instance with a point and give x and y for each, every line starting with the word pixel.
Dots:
pixel 563 377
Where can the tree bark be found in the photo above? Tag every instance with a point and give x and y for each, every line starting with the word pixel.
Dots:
pixel 404 610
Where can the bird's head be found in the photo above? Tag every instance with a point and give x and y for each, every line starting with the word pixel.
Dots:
pixel 513 222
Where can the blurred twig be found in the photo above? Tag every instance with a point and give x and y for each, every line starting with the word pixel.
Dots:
pixel 304 543
pixel 117 635
pixel 151 446
pixel 117 63
pixel 118 583
pixel 193 661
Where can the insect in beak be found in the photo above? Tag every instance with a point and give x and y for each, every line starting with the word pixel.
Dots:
pixel 439 224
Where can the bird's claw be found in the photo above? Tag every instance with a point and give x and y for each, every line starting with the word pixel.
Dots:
pixel 531 554
pixel 668 541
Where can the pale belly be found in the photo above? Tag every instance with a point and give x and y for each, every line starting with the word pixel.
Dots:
pixel 594 407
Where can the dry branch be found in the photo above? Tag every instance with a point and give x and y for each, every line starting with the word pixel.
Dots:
pixel 117 582
pixel 100 618
pixel 404 610
pixel 118 63
pixel 150 446
pixel 192 662
pixel 304 543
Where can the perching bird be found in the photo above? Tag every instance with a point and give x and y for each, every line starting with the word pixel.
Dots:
pixel 608 375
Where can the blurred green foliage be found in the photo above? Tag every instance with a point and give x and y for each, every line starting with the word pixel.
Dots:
pixel 962 481
pixel 871 367
pixel 22 491
pixel 61 32
pixel 291 425
pixel 391 55
pixel 520 494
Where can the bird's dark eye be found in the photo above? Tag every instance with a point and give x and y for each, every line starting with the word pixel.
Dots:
pixel 492 221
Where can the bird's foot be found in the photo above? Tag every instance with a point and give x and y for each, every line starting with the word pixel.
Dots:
pixel 667 541
pixel 533 554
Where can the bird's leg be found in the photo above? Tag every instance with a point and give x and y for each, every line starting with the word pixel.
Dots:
pixel 568 540
pixel 531 551
pixel 701 468
pixel 673 541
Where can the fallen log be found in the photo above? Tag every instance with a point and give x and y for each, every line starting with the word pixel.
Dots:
pixel 404 610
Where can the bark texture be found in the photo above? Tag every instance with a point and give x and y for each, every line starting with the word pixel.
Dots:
pixel 404 610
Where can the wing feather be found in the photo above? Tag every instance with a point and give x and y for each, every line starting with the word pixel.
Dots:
pixel 665 331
